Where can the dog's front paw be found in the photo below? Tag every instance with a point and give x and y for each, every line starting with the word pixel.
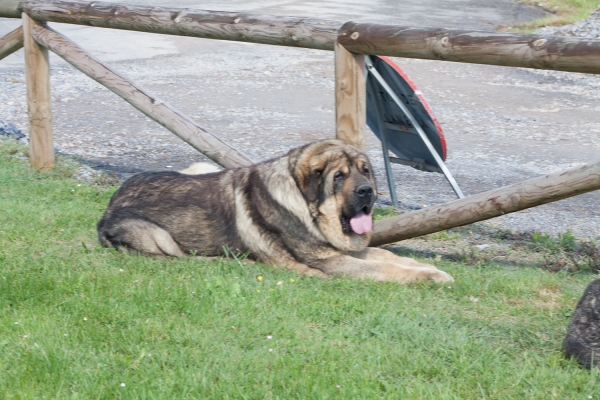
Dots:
pixel 439 276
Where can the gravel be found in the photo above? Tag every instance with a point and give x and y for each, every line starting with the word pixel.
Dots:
pixel 10 131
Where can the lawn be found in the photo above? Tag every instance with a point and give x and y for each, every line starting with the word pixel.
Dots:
pixel 81 321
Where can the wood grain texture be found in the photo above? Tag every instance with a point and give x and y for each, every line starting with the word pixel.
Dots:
pixel 490 204
pixel 350 97
pixel 478 47
pixel 268 29
pixel 167 116
pixel 11 42
pixel 39 101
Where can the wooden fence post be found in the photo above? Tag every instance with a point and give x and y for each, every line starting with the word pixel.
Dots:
pixel 350 97
pixel 37 74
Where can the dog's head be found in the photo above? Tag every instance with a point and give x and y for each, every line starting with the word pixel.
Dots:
pixel 338 184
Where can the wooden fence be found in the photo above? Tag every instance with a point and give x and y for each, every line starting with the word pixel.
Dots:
pixel 349 40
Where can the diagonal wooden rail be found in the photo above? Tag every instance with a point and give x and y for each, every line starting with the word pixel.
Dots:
pixel 490 204
pixel 177 122
pixel 11 42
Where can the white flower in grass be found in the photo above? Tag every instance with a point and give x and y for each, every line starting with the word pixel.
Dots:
pixel 270 350
pixel 122 384
pixel 269 337
pixel 280 283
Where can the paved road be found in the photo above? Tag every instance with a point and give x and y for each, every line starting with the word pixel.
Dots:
pixel 502 125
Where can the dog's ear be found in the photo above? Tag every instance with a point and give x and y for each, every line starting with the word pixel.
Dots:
pixel 308 182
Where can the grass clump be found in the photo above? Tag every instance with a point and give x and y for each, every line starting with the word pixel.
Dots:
pixel 563 12
pixel 81 321
pixel 566 252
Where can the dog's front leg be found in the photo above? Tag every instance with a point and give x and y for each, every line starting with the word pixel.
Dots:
pixel 375 253
pixel 348 266
pixel 291 264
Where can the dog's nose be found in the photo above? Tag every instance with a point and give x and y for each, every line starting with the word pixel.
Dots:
pixel 364 191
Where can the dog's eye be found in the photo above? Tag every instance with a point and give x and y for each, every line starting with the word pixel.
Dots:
pixel 366 170
pixel 338 176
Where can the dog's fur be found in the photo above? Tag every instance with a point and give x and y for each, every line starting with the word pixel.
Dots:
pixel 199 169
pixel 294 211
pixel 583 337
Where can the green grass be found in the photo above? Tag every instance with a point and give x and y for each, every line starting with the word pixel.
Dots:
pixel 563 12
pixel 79 321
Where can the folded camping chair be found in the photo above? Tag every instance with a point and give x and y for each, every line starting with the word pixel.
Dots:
pixel 401 118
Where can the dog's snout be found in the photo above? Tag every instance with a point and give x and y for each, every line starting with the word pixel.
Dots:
pixel 364 191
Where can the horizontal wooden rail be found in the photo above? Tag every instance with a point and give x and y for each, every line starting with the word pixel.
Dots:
pixel 11 42
pixel 11 8
pixel 480 47
pixel 199 138
pixel 267 29
pixel 490 204
pixel 477 47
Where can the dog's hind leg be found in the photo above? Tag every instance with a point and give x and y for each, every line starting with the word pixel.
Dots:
pixel 137 236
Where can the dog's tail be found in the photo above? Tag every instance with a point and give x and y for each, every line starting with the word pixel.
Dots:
pixel 200 168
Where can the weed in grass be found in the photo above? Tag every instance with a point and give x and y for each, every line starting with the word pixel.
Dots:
pixel 444 235
pixel 470 256
pixel 565 252
pixel 384 212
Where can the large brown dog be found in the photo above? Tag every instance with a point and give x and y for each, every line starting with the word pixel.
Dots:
pixel 308 211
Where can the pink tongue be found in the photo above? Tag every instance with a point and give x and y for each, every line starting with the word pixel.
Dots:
pixel 361 223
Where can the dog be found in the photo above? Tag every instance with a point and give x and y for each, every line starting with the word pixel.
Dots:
pixel 308 211
pixel 583 336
